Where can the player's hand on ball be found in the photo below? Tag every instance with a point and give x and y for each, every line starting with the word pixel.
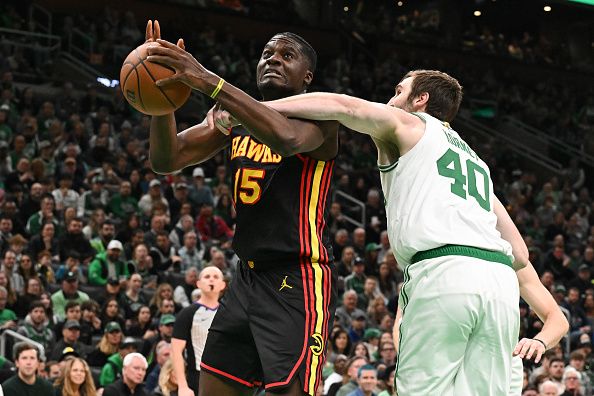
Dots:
pixel 153 31
pixel 187 69
pixel 528 348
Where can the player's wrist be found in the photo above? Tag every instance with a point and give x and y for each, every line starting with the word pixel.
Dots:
pixel 544 344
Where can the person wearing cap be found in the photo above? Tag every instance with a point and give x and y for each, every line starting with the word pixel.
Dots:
pixel 112 370
pixel 199 192
pixel 70 338
pixel 97 197
pixel 165 332
pixel 357 327
pixel 108 345
pixel 180 197
pixel 69 292
pixel 108 265
pixel 356 280
pixel 122 204
pixel 154 194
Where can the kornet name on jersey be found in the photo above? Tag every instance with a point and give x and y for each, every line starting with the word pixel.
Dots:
pixel 440 192
pixel 281 203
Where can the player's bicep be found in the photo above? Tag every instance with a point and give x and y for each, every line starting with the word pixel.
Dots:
pixel 378 120
pixel 199 143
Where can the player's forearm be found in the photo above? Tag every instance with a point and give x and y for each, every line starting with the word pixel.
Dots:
pixel 554 328
pixel 510 233
pixel 396 328
pixel 178 363
pixel 163 143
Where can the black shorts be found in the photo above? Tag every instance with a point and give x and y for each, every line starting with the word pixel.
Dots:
pixel 272 326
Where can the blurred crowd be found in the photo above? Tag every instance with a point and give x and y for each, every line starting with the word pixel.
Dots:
pixel 98 252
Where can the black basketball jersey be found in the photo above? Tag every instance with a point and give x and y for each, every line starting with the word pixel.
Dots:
pixel 281 203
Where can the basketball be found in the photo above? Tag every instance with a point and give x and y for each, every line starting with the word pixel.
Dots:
pixel 137 79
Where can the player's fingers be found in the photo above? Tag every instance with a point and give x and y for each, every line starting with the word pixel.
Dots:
pixel 531 350
pixel 148 35
pixel 168 80
pixel 519 346
pixel 524 349
pixel 168 44
pixel 539 354
pixel 157 30
pixel 180 44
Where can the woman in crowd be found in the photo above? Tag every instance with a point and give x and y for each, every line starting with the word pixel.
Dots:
pixel 340 343
pixel 360 349
pixel 167 381
pixel 112 337
pixel 141 324
pixel 26 268
pixel 75 379
pixel 132 224
pixel 164 291
pixel 12 299
pixel 111 312
pixel 386 281
pixel 45 240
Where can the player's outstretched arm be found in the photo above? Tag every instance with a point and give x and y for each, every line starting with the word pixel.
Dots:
pixel 510 233
pixel 541 301
pixel 170 151
pixel 375 119
pixel 284 136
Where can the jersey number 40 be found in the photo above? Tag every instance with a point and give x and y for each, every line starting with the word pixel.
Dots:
pixel 460 180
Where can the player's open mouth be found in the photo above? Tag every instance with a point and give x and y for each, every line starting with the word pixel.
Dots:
pixel 271 73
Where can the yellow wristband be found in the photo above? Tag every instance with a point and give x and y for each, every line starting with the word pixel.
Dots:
pixel 217 89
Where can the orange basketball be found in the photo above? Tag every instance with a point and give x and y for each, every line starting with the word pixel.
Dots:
pixel 137 79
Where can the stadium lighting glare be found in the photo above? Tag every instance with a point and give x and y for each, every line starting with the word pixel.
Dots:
pixel 547 8
pixel 346 9
pixel 400 4
pixel 477 13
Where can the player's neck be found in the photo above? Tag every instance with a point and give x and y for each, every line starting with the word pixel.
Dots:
pixel 209 301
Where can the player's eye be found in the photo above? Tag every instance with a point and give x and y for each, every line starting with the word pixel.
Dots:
pixel 289 55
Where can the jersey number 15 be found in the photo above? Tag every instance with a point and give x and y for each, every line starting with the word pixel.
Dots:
pixel 455 172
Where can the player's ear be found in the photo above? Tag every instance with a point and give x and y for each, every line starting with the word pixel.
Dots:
pixel 307 79
pixel 422 99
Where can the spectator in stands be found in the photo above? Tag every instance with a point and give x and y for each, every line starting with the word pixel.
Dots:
pixel 578 321
pixel 45 241
pixel 366 381
pixel 92 230
pixel 106 234
pixel 111 312
pixel 26 381
pixel 158 223
pixel 182 294
pixel 108 265
pixel 357 327
pixel 348 308
pixel 70 338
pixel 162 354
pixel 163 254
pixel 168 382
pixel 200 193
pixel 8 319
pixel 75 379
pixel 356 280
pixel 133 372
pixel 184 225
pixel 572 382
pixel 370 292
pixel 73 240
pixel 127 231
pixel 71 264
pixel 134 298
pixel 180 197
pixel 577 361
pixel 32 293
pixel 112 370
pixel 45 214
pixel 123 204
pixel 65 196
pixel 108 345
pixel 164 292
pixel 340 344
pixel 5 232
pixel 9 268
pixel 387 353
pixel 359 241
pixel 90 324
pixel 345 265
pixel 35 326
pixel 95 198
pixel 350 384
pixel 141 323
pixel 556 369
pixel 213 229
pixel 69 292
pixel 189 253
pixel 154 195
pixel 341 241
pixel 165 331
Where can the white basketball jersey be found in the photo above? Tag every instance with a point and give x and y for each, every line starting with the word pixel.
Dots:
pixel 440 192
